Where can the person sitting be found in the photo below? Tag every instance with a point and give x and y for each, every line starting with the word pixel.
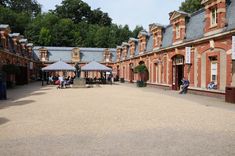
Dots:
pixel 185 85
pixel 211 85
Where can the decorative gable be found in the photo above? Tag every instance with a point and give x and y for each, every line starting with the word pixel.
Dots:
pixel 16 38
pixel 215 16
pixel 143 36
pixel 43 54
pixel 157 31
pixel 4 32
pixel 132 42
pixel 119 53
pixel 30 50
pixel 76 55
pixel 107 56
pixel 178 20
pixel 125 48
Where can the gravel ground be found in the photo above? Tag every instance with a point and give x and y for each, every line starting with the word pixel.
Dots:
pixel 117 120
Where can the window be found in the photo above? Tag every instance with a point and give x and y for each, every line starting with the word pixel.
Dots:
pixel 213 16
pixel 155 40
pixel 214 71
pixel 177 29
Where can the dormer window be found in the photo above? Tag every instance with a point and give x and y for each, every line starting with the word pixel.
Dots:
pixel 177 31
pixel 155 40
pixel 107 55
pixel 213 17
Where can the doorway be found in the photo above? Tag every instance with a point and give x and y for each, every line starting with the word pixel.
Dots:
pixel 131 72
pixel 177 71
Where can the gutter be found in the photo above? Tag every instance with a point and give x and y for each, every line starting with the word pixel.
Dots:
pixel 183 44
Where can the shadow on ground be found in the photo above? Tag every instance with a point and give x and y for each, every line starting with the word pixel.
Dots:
pixel 3 121
pixel 16 96
pixel 15 103
pixel 24 91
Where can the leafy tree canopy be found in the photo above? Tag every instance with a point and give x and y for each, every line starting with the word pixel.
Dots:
pixel 73 23
pixel 190 6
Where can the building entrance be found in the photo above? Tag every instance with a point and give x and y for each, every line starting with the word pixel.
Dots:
pixel 177 71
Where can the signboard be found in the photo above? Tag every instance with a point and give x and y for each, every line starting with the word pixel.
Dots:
pixel 188 55
pixel 31 65
pixel 233 48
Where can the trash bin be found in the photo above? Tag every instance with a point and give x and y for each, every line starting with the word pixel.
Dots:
pixel 3 86
pixel 230 94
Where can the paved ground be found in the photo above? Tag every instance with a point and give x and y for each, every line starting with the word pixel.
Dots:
pixel 118 120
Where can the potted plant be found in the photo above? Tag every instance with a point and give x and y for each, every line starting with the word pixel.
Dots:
pixel 142 70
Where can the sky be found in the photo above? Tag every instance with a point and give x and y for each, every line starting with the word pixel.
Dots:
pixel 130 12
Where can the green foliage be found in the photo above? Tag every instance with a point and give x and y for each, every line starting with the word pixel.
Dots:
pixel 137 30
pixel 31 7
pixel 44 37
pixel 141 68
pixel 73 23
pixel 190 6
pixel 77 10
pixel 141 83
pixel 17 21
pixel 11 69
pixel 143 72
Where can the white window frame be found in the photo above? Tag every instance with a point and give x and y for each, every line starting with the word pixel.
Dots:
pixel 213 17
pixel 214 71
pixel 177 31
pixel 156 40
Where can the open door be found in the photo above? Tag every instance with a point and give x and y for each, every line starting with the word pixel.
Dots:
pixel 177 71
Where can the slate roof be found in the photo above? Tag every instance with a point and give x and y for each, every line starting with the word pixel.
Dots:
pixel 231 15
pixel 167 36
pixel 195 26
pixel 65 53
pixel 150 44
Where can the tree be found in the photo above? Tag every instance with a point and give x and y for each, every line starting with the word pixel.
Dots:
pixel 31 7
pixel 45 37
pixel 100 18
pixel 190 6
pixel 142 70
pixel 76 10
pixel 34 29
pixel 136 31
pixel 17 21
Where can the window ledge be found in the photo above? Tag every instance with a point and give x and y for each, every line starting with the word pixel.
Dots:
pixel 207 90
pixel 213 26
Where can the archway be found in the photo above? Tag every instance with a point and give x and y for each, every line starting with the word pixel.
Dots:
pixel 177 71
pixel 131 72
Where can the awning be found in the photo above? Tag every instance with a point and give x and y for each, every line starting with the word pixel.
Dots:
pixel 59 66
pixel 95 66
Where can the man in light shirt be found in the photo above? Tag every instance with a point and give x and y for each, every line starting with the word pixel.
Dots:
pixel 61 79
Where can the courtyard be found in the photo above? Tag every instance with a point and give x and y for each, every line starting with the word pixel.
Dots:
pixel 114 120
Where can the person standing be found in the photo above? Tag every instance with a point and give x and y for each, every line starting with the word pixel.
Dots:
pixel 61 79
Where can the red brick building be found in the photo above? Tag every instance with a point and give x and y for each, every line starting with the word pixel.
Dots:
pixel 197 46
pixel 15 50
